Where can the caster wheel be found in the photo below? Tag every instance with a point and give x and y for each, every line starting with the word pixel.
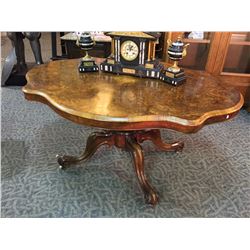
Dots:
pixel 151 198
pixel 179 147
pixel 63 164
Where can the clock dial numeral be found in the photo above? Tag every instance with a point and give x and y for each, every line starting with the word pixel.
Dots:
pixel 129 50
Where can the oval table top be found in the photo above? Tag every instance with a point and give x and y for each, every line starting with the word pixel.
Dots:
pixel 121 102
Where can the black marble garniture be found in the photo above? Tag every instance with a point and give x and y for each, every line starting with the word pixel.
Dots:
pixel 176 51
pixel 87 64
pixel 133 53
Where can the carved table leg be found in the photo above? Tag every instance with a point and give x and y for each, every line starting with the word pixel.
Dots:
pixel 128 140
pixel 136 150
pixel 95 140
pixel 154 135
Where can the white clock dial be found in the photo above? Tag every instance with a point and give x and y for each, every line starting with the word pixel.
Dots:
pixel 129 50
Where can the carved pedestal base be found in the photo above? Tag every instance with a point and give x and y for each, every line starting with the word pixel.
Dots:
pixel 129 141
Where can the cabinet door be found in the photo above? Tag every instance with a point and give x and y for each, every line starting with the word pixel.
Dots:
pixel 237 60
pixel 231 54
pixel 229 58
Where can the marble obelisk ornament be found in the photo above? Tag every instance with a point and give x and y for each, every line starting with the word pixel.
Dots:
pixel 86 43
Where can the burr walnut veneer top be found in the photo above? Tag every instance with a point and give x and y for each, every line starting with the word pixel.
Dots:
pixel 120 102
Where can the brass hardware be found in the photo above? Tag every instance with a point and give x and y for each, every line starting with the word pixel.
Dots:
pixel 174 68
pixel 184 53
pixel 149 65
pixel 130 71
pixel 149 50
pixel 111 61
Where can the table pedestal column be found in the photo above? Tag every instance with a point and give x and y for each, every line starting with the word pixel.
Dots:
pixel 130 141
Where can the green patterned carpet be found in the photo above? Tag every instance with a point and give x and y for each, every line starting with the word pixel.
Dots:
pixel 210 178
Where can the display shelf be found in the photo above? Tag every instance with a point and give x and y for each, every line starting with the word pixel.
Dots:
pixel 240 43
pixel 187 40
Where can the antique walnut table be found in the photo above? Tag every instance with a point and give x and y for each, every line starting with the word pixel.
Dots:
pixel 130 110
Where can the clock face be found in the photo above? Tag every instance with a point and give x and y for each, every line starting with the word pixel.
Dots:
pixel 129 50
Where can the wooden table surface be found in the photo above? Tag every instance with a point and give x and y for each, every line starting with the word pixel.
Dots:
pixel 119 102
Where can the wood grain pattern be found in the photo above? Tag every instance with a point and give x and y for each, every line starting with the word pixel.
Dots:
pixel 222 52
pixel 213 51
pixel 130 103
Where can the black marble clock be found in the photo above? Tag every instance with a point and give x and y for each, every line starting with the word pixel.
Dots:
pixel 133 53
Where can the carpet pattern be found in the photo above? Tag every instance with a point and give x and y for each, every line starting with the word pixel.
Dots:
pixel 210 178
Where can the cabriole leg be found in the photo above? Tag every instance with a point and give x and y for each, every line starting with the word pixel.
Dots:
pixel 154 135
pixel 136 150
pixel 95 140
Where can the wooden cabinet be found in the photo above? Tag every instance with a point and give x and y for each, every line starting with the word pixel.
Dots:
pixel 102 47
pixel 224 54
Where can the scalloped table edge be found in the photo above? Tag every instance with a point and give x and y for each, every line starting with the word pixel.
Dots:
pixel 135 123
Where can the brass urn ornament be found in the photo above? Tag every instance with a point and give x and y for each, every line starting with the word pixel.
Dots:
pixel 86 43
pixel 176 51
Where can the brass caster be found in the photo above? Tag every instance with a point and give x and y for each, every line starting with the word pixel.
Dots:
pixel 151 198
pixel 63 164
pixel 178 146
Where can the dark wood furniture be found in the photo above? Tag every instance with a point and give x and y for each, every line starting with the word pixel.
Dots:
pixel 130 109
pixel 102 47
pixel 55 56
